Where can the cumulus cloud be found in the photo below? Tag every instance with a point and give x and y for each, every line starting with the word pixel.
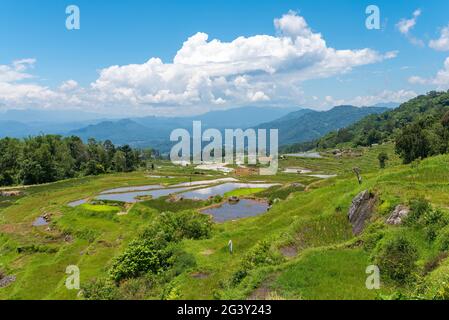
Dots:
pixel 440 80
pixel 207 72
pixel 385 96
pixel 247 69
pixel 406 25
pixel 442 43
pixel 68 85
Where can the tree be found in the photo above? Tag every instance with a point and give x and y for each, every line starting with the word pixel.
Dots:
pixel 10 150
pixel 48 158
pixel 383 158
pixel 396 258
pixel 119 161
pixel 412 143
pixel 357 172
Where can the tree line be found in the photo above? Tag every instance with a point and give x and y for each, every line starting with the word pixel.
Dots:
pixel 49 158
pixel 419 128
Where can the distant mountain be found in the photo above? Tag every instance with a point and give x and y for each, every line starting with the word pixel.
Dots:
pixel 51 116
pixel 245 117
pixel 155 131
pixel 427 112
pixel 388 105
pixel 306 125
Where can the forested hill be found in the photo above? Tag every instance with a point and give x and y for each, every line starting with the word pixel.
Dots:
pixel 49 158
pixel 420 127
pixel 306 125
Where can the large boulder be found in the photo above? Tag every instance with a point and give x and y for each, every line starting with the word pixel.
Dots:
pixel 361 210
pixel 398 215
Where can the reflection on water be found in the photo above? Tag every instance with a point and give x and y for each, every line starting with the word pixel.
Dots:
pixel 130 197
pixel 323 176
pixel 77 203
pixel 204 182
pixel 135 188
pixel 232 211
pixel 297 170
pixel 313 155
pixel 204 194
pixel 40 222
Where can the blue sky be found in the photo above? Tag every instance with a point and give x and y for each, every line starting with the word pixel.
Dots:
pixel 45 65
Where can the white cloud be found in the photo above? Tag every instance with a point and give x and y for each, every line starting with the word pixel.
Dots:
pixel 247 69
pixel 204 73
pixel 442 43
pixel 406 25
pixel 385 96
pixel 68 85
pixel 440 80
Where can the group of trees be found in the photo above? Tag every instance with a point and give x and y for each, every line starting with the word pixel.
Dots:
pixel 48 158
pixel 419 128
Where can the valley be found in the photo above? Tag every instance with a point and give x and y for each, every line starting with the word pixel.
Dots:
pixel 306 224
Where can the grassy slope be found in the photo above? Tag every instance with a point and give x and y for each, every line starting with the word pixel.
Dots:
pixel 314 222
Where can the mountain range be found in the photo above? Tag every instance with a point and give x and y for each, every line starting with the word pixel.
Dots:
pixel 295 124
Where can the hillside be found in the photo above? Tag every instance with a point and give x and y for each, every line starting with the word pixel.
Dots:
pixel 306 125
pixel 155 131
pixel 426 111
pixel 298 249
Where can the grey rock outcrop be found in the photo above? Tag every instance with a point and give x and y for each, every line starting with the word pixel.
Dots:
pixel 361 210
pixel 398 215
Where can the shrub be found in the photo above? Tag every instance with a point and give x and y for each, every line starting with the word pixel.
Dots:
pixel 443 240
pixel 418 207
pixel 141 256
pixel 434 221
pixel 372 235
pixel 396 258
pixel 260 255
pixel 100 290
pixel 175 226
pixel 181 261
pixel 155 251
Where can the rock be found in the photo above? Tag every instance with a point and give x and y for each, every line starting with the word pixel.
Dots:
pixel 6 280
pixel 398 215
pixel 361 210
pixel 10 193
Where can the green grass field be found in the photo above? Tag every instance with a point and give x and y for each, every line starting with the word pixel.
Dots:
pixel 307 230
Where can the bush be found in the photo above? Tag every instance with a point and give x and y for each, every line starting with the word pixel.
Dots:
pixel 418 207
pixel 140 257
pixel 260 255
pixel 443 240
pixel 100 290
pixel 175 226
pixel 372 235
pixel 181 261
pixel 155 250
pixel 396 258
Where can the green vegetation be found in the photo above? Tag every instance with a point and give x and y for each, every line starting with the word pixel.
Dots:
pixel 302 248
pixel 420 128
pixel 299 249
pixel 243 192
pixel 49 158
